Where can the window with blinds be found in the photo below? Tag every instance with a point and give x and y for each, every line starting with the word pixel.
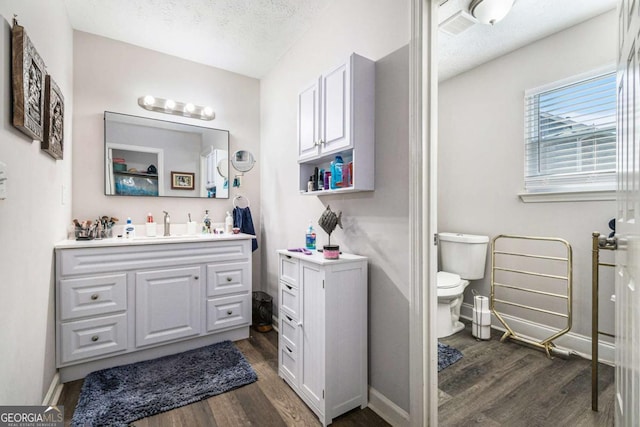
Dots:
pixel 570 136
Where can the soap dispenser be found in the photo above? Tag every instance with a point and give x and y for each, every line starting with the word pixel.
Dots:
pixel 129 229
pixel 228 223
pixel 206 223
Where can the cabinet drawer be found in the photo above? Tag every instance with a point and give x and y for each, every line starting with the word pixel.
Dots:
pixel 93 337
pixel 289 269
pixel 289 301
pixel 224 279
pixel 90 296
pixel 289 330
pixel 288 361
pixel 226 312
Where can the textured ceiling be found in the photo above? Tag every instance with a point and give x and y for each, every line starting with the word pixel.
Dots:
pixel 249 36
pixel 529 20
pixel 244 36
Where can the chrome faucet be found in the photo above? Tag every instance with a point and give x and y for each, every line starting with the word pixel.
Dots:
pixel 167 224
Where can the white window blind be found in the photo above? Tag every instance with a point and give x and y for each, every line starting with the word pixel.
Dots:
pixel 570 136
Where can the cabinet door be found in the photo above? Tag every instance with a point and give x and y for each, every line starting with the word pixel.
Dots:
pixel 313 333
pixel 336 107
pixel 167 305
pixel 309 121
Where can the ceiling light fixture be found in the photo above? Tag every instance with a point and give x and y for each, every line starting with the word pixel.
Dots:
pixel 170 106
pixel 490 11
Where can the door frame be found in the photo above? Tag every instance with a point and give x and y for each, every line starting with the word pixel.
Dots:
pixel 423 118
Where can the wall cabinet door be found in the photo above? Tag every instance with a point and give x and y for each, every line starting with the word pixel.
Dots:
pixel 167 304
pixel 336 104
pixel 309 121
pixel 312 343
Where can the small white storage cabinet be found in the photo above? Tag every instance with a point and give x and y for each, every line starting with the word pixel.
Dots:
pixel 336 115
pixel 118 301
pixel 322 337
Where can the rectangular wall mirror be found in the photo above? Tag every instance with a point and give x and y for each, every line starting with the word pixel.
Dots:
pixel 150 157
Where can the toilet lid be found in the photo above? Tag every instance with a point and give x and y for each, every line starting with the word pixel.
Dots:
pixel 447 280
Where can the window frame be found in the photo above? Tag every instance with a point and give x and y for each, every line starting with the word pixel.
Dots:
pixel 567 187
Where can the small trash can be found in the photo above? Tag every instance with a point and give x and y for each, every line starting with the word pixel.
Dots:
pixel 262 310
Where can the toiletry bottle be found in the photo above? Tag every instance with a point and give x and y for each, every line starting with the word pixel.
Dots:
pixel 327 179
pixel 310 184
pixel 310 237
pixel 206 223
pixel 129 229
pixel 315 179
pixel 228 223
pixel 150 229
pixel 321 179
pixel 336 172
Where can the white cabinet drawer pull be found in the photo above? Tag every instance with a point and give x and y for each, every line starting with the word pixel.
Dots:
pixel 300 324
pixel 94 297
pixel 95 338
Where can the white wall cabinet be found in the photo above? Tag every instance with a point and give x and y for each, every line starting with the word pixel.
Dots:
pixel 119 302
pixel 336 115
pixel 322 341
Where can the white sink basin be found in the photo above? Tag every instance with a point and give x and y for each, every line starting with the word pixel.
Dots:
pixel 173 237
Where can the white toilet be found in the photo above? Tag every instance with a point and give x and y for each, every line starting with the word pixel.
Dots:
pixel 462 258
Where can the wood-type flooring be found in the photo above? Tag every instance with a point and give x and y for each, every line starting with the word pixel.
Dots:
pixel 494 384
pixel 266 402
pixel 513 385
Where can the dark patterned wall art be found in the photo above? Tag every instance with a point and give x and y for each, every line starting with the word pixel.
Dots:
pixel 28 72
pixel 52 142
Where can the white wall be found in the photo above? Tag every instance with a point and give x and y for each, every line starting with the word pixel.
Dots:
pixel 34 216
pixel 376 223
pixel 111 75
pixel 481 155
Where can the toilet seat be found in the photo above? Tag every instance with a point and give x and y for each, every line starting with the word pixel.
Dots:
pixel 450 284
pixel 446 280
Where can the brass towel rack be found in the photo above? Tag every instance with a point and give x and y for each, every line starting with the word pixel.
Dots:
pixel 598 243
pixel 514 299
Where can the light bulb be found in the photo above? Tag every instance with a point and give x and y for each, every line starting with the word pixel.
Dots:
pixel 189 108
pixel 207 111
pixel 170 104
pixel 149 100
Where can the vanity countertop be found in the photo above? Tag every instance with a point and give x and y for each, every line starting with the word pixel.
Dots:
pixel 144 240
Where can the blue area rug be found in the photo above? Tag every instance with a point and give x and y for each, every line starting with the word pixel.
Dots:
pixel 121 395
pixel 447 356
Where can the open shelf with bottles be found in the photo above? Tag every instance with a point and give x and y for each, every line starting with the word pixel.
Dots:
pixel 359 178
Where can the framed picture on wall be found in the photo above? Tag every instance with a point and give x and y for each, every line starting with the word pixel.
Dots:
pixel 52 142
pixel 28 72
pixel 182 181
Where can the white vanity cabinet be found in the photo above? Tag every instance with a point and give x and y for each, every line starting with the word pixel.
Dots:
pixel 322 338
pixel 120 301
pixel 336 115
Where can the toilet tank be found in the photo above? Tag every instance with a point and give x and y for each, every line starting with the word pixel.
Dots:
pixel 463 254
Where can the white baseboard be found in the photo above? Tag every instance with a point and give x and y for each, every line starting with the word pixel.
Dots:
pixel 53 394
pixel 577 343
pixel 387 410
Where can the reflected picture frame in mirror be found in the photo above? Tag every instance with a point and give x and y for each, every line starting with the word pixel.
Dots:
pixel 134 144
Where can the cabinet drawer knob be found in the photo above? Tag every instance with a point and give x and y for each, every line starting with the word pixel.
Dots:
pixel 94 297
pixel 300 324
pixel 95 338
pixel 196 277
pixel 229 279
pixel 229 312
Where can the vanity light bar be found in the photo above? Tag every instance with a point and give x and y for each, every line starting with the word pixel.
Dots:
pixel 170 106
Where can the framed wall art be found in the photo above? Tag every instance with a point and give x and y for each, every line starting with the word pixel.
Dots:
pixel 53 140
pixel 28 72
pixel 182 181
